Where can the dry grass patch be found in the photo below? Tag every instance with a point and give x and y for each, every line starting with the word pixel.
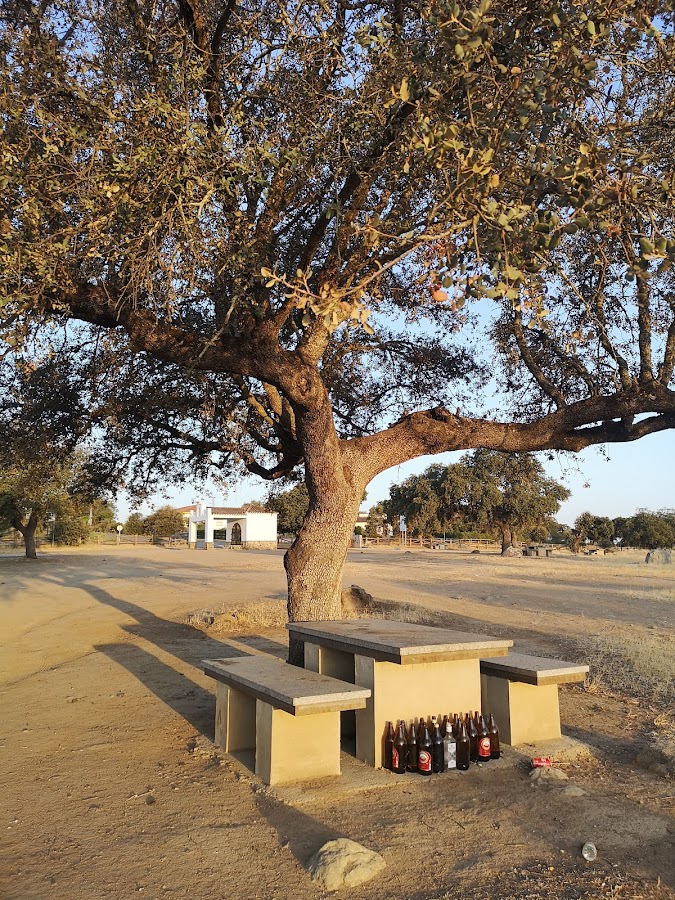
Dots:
pixel 636 665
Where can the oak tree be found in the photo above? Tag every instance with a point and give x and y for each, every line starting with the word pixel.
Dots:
pixel 312 233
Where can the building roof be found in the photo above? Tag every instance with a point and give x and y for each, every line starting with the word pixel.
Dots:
pixel 238 511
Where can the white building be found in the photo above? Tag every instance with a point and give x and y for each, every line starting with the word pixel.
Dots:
pixel 251 530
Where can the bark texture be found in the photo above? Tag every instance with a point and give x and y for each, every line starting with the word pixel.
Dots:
pixel 27 531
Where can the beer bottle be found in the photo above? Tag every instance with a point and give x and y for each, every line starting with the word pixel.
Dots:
pixel 424 752
pixel 463 749
pixel 436 747
pixel 412 749
pixel 421 722
pixel 449 748
pixel 444 726
pixel 399 752
pixel 389 738
pixel 473 737
pixel 493 731
pixel 483 741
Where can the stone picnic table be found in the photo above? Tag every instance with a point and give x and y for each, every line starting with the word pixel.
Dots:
pixel 411 670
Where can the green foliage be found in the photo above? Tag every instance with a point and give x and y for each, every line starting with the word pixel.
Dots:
pixel 647 530
pixel 596 529
pixel 486 491
pixel 134 524
pixel 70 530
pixel 290 507
pixel 286 225
pixel 164 522
pixel 376 516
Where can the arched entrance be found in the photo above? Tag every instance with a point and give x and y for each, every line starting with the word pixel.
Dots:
pixel 236 534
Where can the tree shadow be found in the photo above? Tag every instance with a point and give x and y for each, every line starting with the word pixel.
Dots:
pixel 186 697
pixel 301 833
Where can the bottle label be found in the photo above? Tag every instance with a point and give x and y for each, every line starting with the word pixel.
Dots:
pixel 394 758
pixel 452 755
pixel 424 761
pixel 484 748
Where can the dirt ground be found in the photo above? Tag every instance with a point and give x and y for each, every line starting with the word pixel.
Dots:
pixel 111 786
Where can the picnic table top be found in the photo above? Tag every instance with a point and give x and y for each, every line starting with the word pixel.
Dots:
pixel 400 642
pixel 291 688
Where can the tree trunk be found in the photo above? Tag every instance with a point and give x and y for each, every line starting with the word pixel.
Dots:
pixel 28 533
pixel 507 537
pixel 315 562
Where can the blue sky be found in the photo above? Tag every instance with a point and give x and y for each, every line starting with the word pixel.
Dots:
pixel 635 475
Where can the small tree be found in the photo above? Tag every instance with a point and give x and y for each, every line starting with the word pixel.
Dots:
pixel 376 517
pixel 587 527
pixel 164 522
pixel 134 524
pixel 509 493
pixel 290 506
pixel 34 492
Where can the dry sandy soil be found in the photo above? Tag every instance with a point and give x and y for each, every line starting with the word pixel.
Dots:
pixel 111 786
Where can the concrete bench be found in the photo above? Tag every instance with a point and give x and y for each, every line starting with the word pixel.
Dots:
pixel 289 716
pixel 522 693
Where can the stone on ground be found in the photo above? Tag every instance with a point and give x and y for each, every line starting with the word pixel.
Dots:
pixel 512 551
pixel 573 790
pixel 547 775
pixel 344 863
pixel 662 555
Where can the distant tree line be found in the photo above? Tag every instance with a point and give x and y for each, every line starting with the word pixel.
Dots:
pixel 486 492
pixel 646 530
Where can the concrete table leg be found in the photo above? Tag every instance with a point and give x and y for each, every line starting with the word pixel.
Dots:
pixel 295 748
pixel 408 692
pixel 525 713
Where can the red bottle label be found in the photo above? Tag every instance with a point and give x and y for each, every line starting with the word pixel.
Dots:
pixel 424 761
pixel 394 758
pixel 484 748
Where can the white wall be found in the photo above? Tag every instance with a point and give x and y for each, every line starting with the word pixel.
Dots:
pixel 259 527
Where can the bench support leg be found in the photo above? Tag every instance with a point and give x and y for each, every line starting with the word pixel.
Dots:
pixel 408 691
pixel 336 664
pixel 525 713
pixel 295 748
pixel 235 719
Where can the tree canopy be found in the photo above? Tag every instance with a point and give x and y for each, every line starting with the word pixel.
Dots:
pixel 290 506
pixel 486 491
pixel 343 234
pixel 42 422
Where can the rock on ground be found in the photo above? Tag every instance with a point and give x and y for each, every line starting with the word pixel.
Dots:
pixel 512 551
pixel 344 863
pixel 547 775
pixel 662 555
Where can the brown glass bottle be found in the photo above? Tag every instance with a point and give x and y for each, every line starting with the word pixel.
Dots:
pixel 473 738
pixel 483 741
pixel 493 731
pixel 421 722
pixel 399 753
pixel 463 749
pixel 436 748
pixel 389 738
pixel 424 747
pixel 412 748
